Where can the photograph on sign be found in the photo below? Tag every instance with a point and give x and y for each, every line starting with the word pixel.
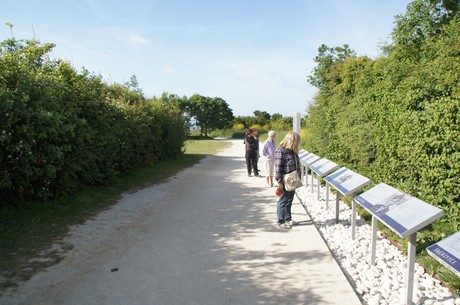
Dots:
pixel 323 167
pixel 337 174
pixel 389 203
pixel 347 181
pixel 375 195
pixel 352 180
pixel 447 251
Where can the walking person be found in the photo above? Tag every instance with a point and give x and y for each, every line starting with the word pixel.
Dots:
pixel 268 152
pixel 286 161
pixel 250 153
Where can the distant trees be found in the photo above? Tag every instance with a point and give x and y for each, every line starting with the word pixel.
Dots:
pixel 209 113
pixel 264 121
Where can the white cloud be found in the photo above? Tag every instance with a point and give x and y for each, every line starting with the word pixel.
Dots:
pixel 136 40
pixel 169 70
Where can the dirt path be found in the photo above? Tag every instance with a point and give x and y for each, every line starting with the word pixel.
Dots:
pixel 206 236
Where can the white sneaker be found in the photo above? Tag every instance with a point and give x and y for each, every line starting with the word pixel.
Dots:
pixel 292 222
pixel 284 225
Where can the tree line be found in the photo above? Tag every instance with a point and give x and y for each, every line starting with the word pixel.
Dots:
pixel 395 118
pixel 62 130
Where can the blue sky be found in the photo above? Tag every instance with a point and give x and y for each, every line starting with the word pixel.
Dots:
pixel 255 54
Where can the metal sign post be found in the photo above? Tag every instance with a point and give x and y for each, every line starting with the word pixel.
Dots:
pixel 347 183
pixel 403 214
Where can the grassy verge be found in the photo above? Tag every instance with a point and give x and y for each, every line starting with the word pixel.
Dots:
pixel 30 232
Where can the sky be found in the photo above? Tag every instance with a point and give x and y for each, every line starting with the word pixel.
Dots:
pixel 255 54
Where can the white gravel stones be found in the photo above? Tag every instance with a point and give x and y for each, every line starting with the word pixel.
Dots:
pixel 383 283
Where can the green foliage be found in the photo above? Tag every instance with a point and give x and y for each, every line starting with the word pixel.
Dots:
pixel 396 118
pixel 262 117
pixel 263 121
pixel 209 113
pixel 327 56
pixel 424 19
pixel 61 130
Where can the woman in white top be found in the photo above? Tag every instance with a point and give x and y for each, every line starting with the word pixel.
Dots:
pixel 269 153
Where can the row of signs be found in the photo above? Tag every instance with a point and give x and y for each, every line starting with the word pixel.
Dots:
pixel 401 212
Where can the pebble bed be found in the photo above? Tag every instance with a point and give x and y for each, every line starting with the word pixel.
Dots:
pixel 384 282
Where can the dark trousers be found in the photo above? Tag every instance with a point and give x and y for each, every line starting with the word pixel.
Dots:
pixel 251 162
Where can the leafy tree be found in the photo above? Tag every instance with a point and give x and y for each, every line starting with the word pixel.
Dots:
pixel 246 120
pixel 262 117
pixel 209 113
pixel 423 19
pixel 276 121
pixel 10 25
pixel 324 60
pixel 276 116
pixel 133 84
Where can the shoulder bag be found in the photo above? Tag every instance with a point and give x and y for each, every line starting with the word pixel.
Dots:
pixel 292 180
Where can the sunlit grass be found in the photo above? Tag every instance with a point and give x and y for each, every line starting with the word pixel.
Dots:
pixel 204 146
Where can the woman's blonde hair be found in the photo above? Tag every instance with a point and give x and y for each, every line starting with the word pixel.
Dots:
pixel 291 141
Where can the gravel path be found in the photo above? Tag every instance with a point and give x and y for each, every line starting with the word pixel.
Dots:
pixel 206 236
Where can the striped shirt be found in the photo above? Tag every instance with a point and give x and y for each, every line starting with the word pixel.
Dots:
pixel 286 161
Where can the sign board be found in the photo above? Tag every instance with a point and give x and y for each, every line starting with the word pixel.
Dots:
pixel 310 159
pixel 347 181
pixel 447 252
pixel 303 153
pixel 401 212
pixel 323 167
pixel 379 193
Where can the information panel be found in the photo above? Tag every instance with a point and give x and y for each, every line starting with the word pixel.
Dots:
pixel 347 181
pixel 372 199
pixel 447 252
pixel 310 159
pixel 303 153
pixel 323 167
pixel 401 212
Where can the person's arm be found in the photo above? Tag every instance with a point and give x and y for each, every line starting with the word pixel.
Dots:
pixel 299 168
pixel 279 168
pixel 265 151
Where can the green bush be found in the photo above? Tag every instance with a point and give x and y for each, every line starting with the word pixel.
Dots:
pixel 397 120
pixel 61 130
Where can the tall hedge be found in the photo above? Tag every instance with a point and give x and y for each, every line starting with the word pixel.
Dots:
pixel 396 118
pixel 62 130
